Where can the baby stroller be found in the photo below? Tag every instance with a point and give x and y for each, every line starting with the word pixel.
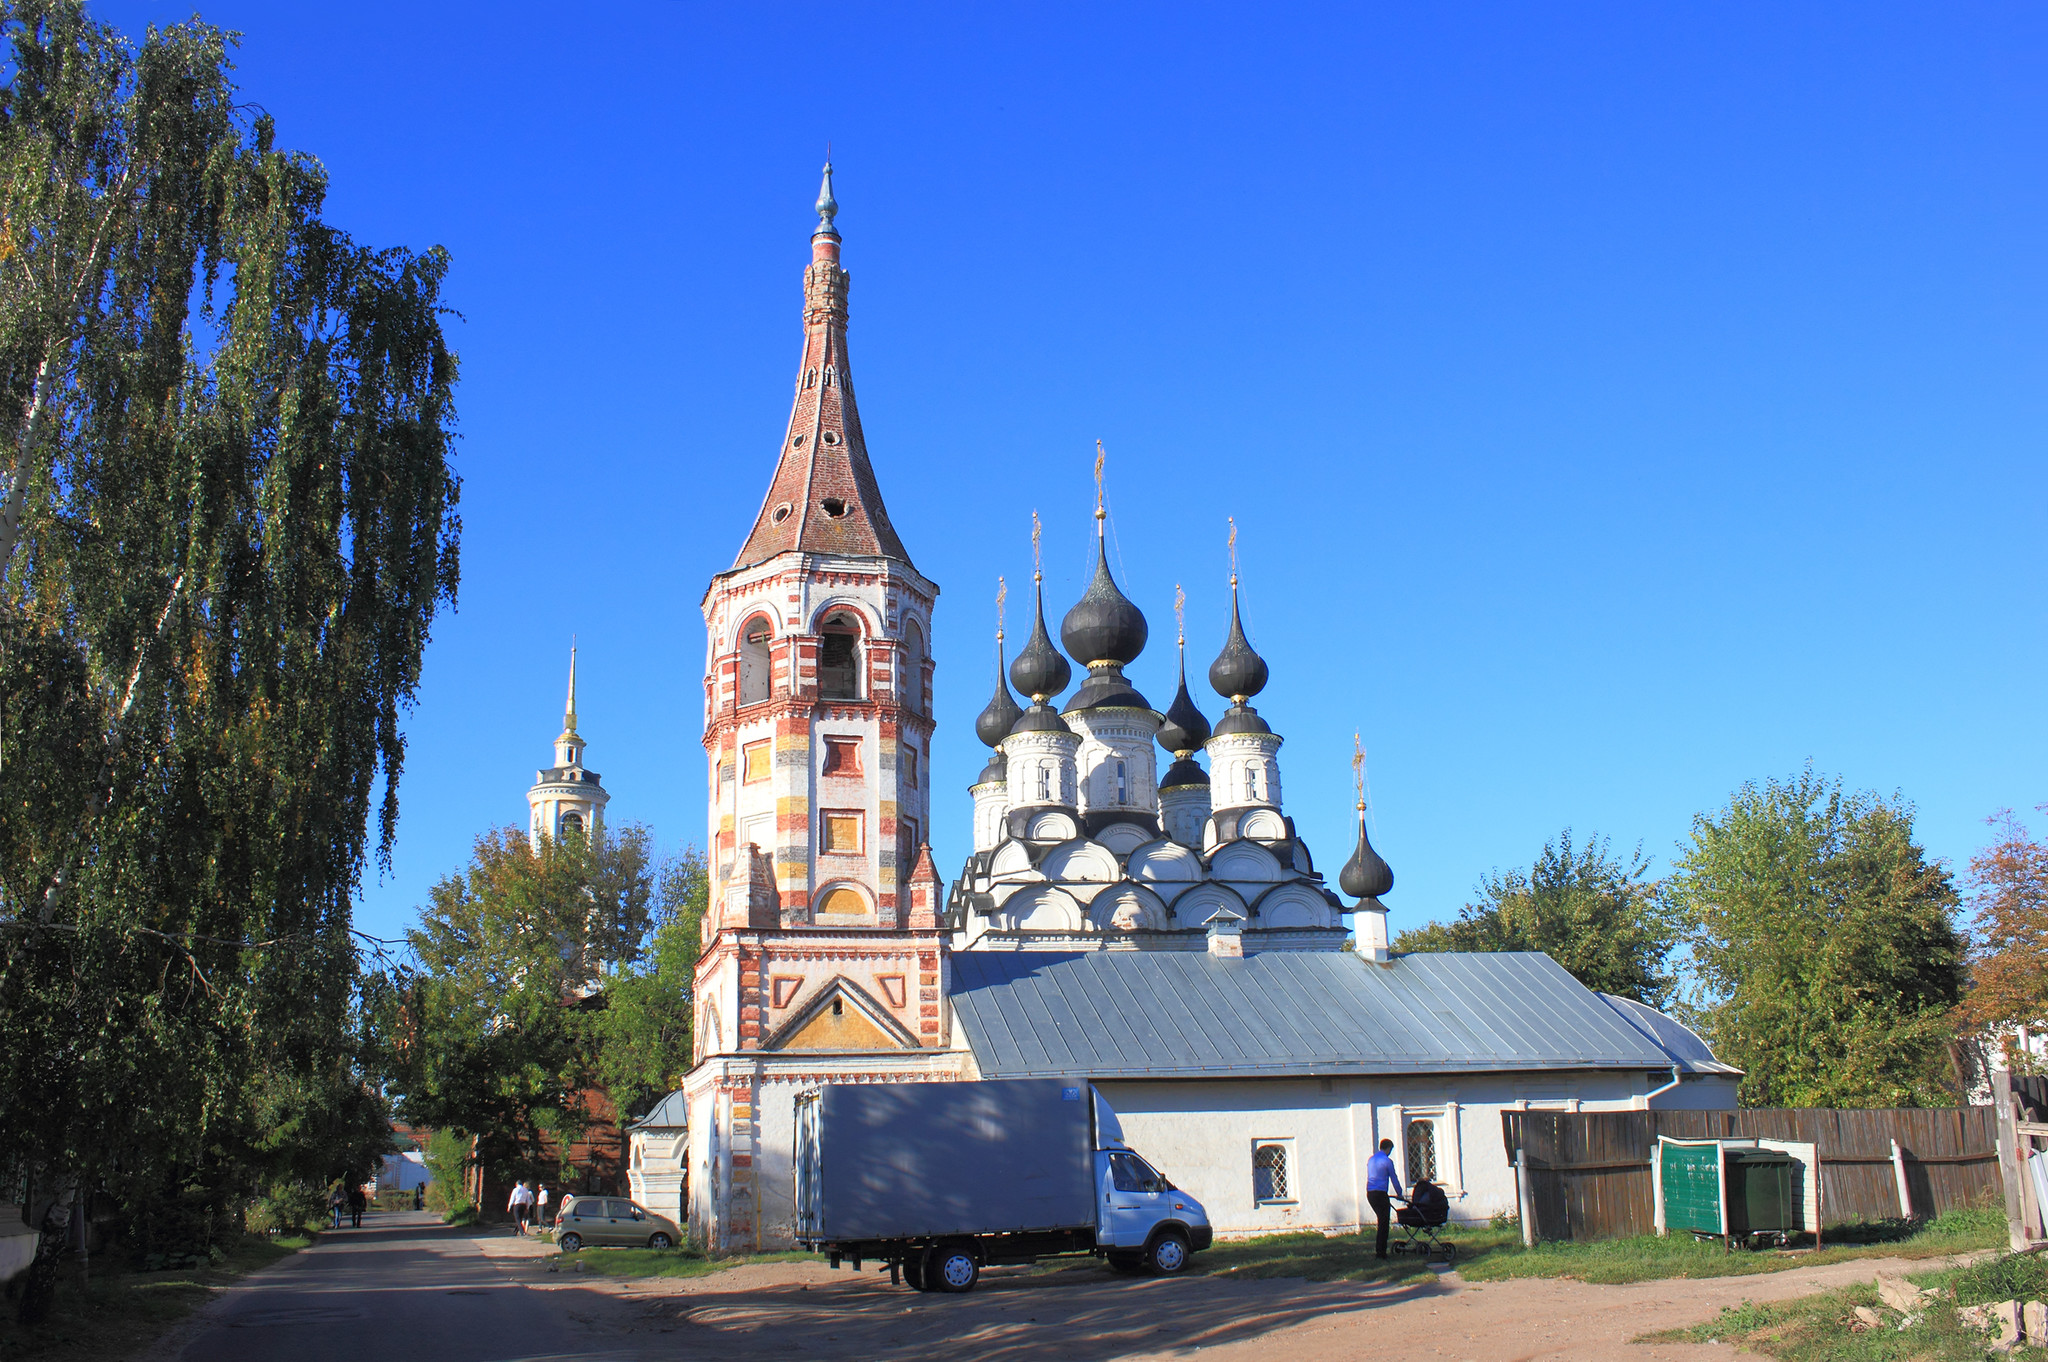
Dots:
pixel 1423 1219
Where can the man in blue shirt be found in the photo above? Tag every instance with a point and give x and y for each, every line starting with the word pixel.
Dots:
pixel 1379 1176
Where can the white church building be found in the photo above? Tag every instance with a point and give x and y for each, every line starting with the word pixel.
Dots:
pixel 1165 934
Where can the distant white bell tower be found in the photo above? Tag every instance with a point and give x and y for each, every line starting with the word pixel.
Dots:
pixel 566 798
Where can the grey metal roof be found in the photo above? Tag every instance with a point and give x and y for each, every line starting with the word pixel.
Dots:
pixel 1161 1014
pixel 1683 1044
pixel 670 1113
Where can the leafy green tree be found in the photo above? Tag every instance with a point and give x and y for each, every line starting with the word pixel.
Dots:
pixel 227 520
pixel 491 1029
pixel 1825 946
pixel 1597 914
pixel 640 1038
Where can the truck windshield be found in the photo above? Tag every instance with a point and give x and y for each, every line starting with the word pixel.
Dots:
pixel 1129 1173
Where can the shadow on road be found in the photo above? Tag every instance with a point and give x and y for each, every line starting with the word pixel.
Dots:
pixel 1015 1315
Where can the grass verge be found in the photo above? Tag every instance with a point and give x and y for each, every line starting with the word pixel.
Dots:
pixel 675 1262
pixel 1491 1255
pixel 115 1312
pixel 1819 1328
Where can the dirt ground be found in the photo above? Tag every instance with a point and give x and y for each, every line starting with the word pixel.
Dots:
pixel 784 1310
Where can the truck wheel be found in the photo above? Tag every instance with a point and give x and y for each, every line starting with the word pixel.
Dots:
pixel 1168 1253
pixel 951 1270
pixel 913 1272
pixel 570 1242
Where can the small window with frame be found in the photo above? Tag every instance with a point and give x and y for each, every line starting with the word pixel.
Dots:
pixel 1273 1173
pixel 910 766
pixel 1422 1151
pixel 843 831
pixel 755 760
pixel 842 757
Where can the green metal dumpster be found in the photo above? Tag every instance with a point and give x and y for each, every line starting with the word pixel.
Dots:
pixel 1760 1195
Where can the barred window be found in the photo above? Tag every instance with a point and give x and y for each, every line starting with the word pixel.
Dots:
pixel 1269 1173
pixel 1421 1151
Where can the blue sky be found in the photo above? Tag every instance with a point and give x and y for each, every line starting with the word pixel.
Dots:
pixel 1618 402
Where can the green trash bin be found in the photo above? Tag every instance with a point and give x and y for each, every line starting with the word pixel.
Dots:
pixel 1760 1195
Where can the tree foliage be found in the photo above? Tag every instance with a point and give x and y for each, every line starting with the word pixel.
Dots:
pixel 226 524
pixel 1595 913
pixel 640 1039
pixel 500 1026
pixel 2009 959
pixel 1825 945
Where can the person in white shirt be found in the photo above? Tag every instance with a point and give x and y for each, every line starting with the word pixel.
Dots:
pixel 540 1206
pixel 521 1206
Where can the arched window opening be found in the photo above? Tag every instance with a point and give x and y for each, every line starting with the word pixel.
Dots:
pixel 1251 784
pixel 572 822
pixel 910 686
pixel 755 665
pixel 1123 785
pixel 1421 1151
pixel 1045 784
pixel 839 657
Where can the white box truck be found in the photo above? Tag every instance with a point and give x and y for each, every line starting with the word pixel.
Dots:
pixel 939 1180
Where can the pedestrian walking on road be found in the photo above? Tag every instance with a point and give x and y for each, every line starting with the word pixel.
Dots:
pixel 521 1206
pixel 540 1206
pixel 419 1197
pixel 357 1201
pixel 1379 1174
pixel 336 1200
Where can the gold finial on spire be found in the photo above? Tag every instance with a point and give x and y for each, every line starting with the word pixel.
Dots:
pixel 1358 769
pixel 1037 561
pixel 1101 457
pixel 1002 594
pixel 1233 552
pixel 1180 615
pixel 569 711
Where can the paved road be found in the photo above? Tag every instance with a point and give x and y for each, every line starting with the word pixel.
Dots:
pixel 404 1288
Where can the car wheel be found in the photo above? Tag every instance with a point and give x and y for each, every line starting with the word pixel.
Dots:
pixel 913 1271
pixel 951 1270
pixel 570 1242
pixel 660 1241
pixel 1167 1254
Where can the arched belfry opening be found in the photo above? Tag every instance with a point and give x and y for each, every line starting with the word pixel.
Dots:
pixel 913 668
pixel 756 663
pixel 839 656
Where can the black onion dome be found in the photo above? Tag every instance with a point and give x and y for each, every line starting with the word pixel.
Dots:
pixel 1366 875
pixel 1103 626
pixel 1185 728
pixel 1183 772
pixel 1106 688
pixel 997 770
pixel 1041 718
pixel 995 722
pixel 1040 670
pixel 1238 673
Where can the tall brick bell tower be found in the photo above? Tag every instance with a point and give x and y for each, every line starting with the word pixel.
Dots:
pixel 823 959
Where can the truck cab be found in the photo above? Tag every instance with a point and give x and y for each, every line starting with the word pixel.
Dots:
pixel 1144 1221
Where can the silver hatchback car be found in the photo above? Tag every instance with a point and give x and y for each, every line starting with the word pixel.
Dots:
pixel 613 1221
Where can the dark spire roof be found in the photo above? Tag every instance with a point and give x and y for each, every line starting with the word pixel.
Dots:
pixel 823 497
pixel 1103 626
pixel 1238 673
pixel 1240 719
pixel 1366 875
pixel 1039 671
pixel 1185 729
pixel 1001 715
pixel 1041 718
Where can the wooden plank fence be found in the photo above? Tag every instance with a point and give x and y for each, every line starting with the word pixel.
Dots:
pixel 1588 1173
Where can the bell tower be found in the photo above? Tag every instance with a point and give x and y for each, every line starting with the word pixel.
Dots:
pixel 566 797
pixel 823 960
